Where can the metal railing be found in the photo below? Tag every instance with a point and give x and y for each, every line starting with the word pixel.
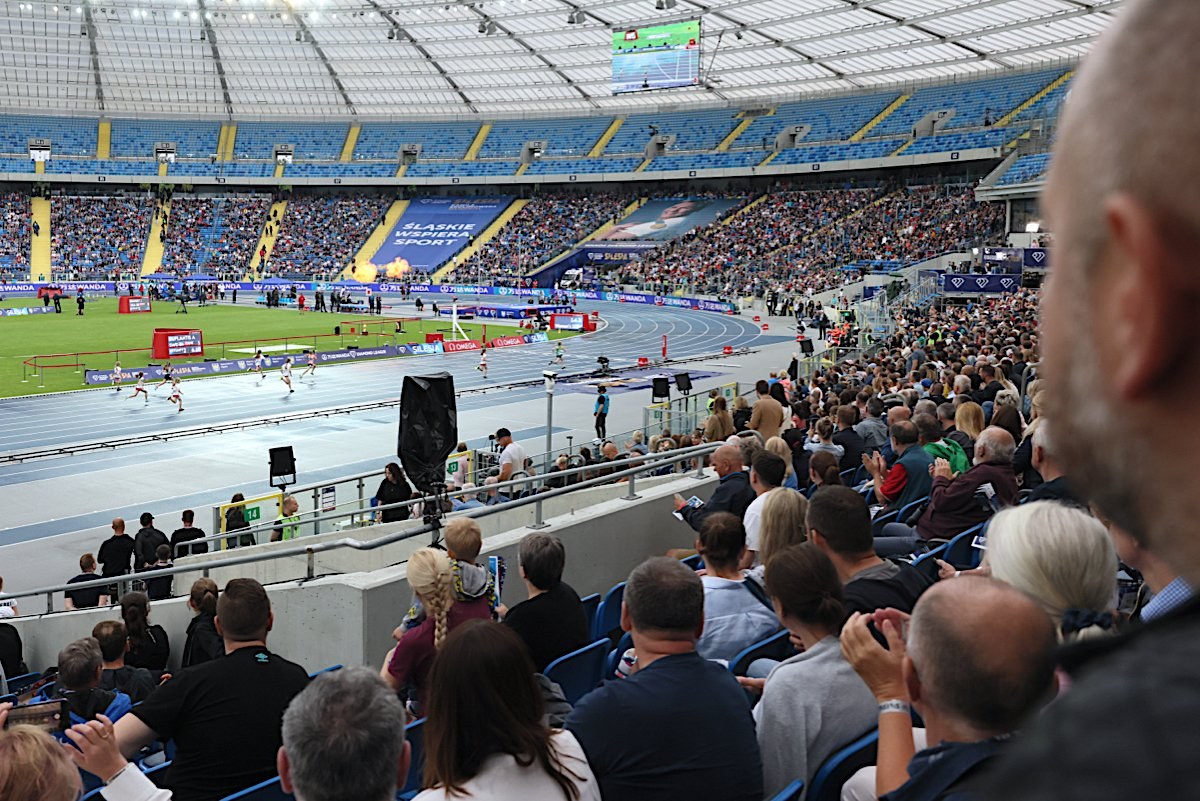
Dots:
pixel 631 469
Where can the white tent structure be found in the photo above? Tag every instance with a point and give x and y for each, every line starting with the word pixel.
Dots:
pixel 335 59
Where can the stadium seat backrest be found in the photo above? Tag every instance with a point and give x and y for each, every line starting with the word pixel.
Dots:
pixel 961 553
pixel 777 647
pixel 695 561
pixel 608 614
pixel 580 671
pixel 590 604
pixel 614 656
pixel 414 733
pixel 792 792
pixel 270 790
pixel 329 669
pixel 833 773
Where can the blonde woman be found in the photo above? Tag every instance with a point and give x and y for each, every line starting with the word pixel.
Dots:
pixel 432 580
pixel 782 525
pixel 33 766
pixel 1060 556
pixel 780 448
pixel 969 420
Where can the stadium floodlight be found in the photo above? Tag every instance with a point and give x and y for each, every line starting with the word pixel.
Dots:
pixel 487 27
pixel 664 5
pixel 391 33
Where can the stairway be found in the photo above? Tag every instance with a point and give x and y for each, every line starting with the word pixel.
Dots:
pixel 477 142
pixel 598 149
pixel 484 237
pixel 39 246
pixel 152 254
pixel 351 141
pixel 104 140
pixel 734 134
pixel 1057 82
pixel 858 135
pixel 267 241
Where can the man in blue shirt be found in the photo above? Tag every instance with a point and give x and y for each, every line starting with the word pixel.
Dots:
pixel 680 726
pixel 600 412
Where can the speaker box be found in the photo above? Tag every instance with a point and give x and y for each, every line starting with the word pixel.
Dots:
pixel 283 465
pixel 428 428
pixel 806 347
pixel 660 387
pixel 683 382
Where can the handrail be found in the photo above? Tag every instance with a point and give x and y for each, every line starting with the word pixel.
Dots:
pixel 369 545
pixel 320 517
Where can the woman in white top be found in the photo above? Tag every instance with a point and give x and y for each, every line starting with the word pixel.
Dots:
pixel 484 736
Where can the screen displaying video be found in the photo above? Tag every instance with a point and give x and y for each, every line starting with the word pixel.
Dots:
pixel 656 57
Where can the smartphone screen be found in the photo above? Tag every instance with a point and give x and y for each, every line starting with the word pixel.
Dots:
pixel 49 716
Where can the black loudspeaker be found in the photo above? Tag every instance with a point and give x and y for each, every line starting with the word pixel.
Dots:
pixel 806 347
pixel 683 382
pixel 428 428
pixel 283 466
pixel 337 330
pixel 660 387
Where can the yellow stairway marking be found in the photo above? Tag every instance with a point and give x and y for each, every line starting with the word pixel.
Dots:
pixel 104 139
pixel 642 167
pixel 39 167
pixel 481 240
pixel 39 246
pixel 734 134
pixel 361 263
pixel 606 137
pixel 351 141
pixel 521 170
pixel 162 168
pixel 902 148
pixel 1057 82
pixel 152 254
pixel 743 209
pixel 477 142
pixel 277 210
pixel 278 170
pixel 226 141
pixel 878 118
pixel 403 169
pixel 770 157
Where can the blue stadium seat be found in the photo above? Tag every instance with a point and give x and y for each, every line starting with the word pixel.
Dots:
pixel 946 142
pixel 614 656
pixel 580 671
pixel 1026 168
pixel 583 166
pixel 69 136
pixel 792 792
pixel 563 137
pixel 935 553
pixel 694 130
pixel 193 139
pixel 256 140
pixel 270 790
pixel 414 733
pixel 18 684
pixel 695 561
pixel 832 119
pixel 706 161
pixel 461 169
pixel 329 669
pixel 11 698
pixel 590 604
pixel 340 169
pixel 897 516
pixel 960 553
pixel 608 614
pixel 833 773
pixel 438 140
pixel 777 647
pixel 842 151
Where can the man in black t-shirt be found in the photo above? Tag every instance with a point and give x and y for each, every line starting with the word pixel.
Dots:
pixel 839 523
pixel 116 552
pixel 552 622
pixel 91 596
pixel 225 715
pixel 146 543
pixel 187 534
pixel 135 682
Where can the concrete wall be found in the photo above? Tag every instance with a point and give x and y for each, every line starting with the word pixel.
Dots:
pixel 348 619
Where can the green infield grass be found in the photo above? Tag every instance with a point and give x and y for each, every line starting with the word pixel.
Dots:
pixel 87 342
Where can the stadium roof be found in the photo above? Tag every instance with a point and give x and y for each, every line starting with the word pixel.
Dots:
pixel 336 58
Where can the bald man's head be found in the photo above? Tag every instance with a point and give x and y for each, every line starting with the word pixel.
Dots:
pixel 1123 198
pixel 727 459
pixel 995 445
pixel 983 654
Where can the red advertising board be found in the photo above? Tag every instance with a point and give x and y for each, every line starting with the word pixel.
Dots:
pixel 455 345
pixel 172 343
pixel 506 342
pixel 132 305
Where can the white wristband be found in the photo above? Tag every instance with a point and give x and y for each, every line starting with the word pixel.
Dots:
pixel 895 705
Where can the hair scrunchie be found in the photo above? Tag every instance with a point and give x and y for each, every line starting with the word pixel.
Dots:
pixel 1074 620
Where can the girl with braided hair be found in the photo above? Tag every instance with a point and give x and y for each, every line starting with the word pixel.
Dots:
pixel 431 578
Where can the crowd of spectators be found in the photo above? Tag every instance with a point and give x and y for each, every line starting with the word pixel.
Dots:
pixel 547 225
pixel 14 236
pixel 318 236
pixel 99 238
pixel 213 235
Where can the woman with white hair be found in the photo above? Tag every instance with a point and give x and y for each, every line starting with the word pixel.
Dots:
pixel 1060 556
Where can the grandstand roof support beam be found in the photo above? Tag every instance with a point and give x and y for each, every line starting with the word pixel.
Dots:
pixel 403 31
pixel 533 52
pixel 211 35
pixel 312 40
pixel 90 24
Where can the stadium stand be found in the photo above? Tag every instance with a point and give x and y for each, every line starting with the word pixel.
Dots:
pixel 461 169
pixel 363 169
pixel 842 151
pixel 68 136
pixel 97 167
pixel 14 164
pixel 99 236
pixel 1048 106
pixel 694 130
pixel 565 137
pixel 240 169
pixel 705 161
pixel 942 143
pixel 832 119
pixel 136 138
pixel 545 227
pixel 583 166
pixel 438 140
pixel 216 235
pixel 319 235
pixel 1025 168
pixel 256 140
pixel 14 236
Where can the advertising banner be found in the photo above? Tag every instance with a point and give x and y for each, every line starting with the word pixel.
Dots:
pixel 660 220
pixel 456 345
pixel 21 311
pixel 1036 258
pixel 430 231
pixel 506 342
pixel 980 284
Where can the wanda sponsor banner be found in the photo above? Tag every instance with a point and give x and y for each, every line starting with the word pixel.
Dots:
pixel 454 346
pixel 506 342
